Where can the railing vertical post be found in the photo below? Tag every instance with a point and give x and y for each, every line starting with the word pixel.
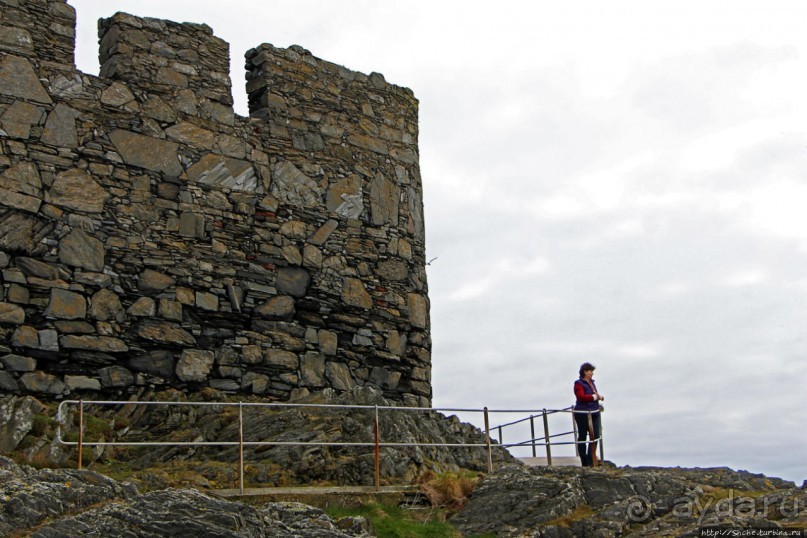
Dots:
pixel 377 453
pixel 532 434
pixel 487 437
pixel 546 440
pixel 602 450
pixel 241 446
pixel 501 436
pixel 593 449
pixel 576 435
pixel 80 430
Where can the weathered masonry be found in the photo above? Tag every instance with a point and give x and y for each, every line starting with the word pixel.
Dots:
pixel 150 237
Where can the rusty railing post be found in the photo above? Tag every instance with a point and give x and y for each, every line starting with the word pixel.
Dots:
pixel 377 454
pixel 487 437
pixel 241 446
pixel 546 440
pixel 593 449
pixel 80 430
pixel 532 434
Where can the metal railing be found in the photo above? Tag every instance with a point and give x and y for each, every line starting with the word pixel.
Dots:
pixel 546 440
pixel 82 406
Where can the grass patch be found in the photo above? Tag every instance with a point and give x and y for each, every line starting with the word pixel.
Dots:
pixel 390 521
pixel 578 514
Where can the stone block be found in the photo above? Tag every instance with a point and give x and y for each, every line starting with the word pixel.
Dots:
pixel 18 79
pixel 106 344
pixel 163 332
pixel 80 249
pixel 42 382
pixel 226 385
pixel 354 294
pixel 278 307
pixel 312 370
pixel 143 307
pixel 328 342
pixel 106 306
pixel 66 304
pixel 159 363
pixel 17 363
pixel 171 310
pixel 8 383
pixel 207 301
pixel 339 376
pixel 48 340
pixel 279 357
pixel 11 314
pixel 147 152
pixel 292 281
pixel 194 365
pixel 153 282
pixel 115 377
pixel 75 189
pixel 80 382
pixel 418 310
pixel 25 336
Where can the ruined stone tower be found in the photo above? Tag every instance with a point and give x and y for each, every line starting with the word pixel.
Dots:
pixel 150 237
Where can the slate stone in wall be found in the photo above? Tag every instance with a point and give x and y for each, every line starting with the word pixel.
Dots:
pixel 60 127
pixel 194 365
pixel 79 249
pixel 278 307
pixel 292 281
pixel 11 314
pixel 17 363
pixel 354 294
pixel 65 304
pixel 384 197
pixel 163 332
pixel 75 189
pixel 158 363
pixel 338 374
pixel 152 282
pixel 106 306
pixel 312 370
pixel 224 172
pixel 20 232
pixel 18 119
pixel 80 382
pixel 18 79
pixel 147 152
pixel 115 377
pixel 42 382
pixel 105 344
pixel 293 187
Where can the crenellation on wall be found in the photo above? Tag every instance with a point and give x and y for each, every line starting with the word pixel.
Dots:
pixel 184 63
pixel 151 238
pixel 44 30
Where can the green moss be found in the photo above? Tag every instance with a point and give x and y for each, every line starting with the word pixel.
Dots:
pixel 390 521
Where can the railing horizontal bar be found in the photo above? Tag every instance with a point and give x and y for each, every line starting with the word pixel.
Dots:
pixel 88 403
pixel 270 443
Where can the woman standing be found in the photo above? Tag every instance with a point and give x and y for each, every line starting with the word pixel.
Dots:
pixel 585 391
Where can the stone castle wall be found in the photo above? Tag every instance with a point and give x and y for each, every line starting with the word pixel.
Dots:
pixel 151 237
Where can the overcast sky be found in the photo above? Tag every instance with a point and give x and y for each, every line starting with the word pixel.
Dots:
pixel 616 182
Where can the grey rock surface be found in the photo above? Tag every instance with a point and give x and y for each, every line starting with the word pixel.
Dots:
pixel 643 502
pixel 54 503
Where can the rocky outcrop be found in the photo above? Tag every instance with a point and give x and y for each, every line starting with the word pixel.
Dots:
pixel 144 226
pixel 274 465
pixel 647 502
pixel 55 503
